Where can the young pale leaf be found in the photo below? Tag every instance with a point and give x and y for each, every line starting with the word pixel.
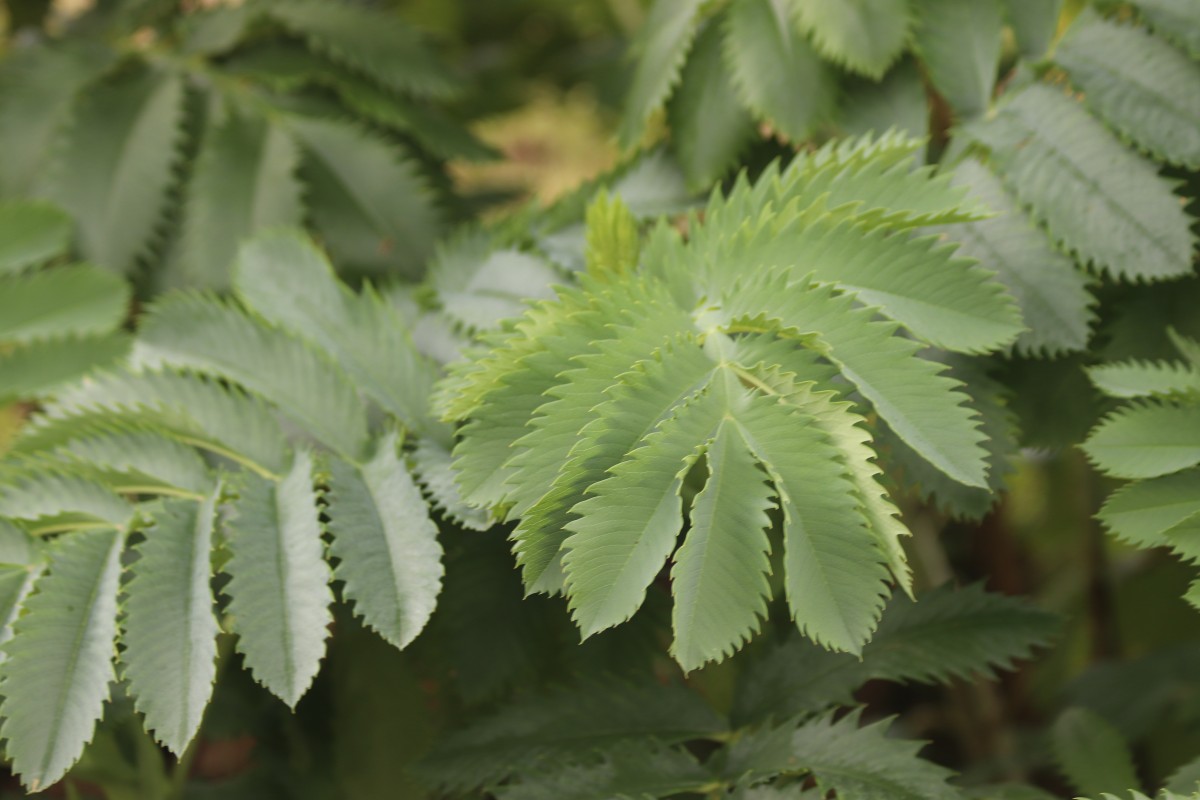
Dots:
pixel 71 301
pixel 385 542
pixel 1141 512
pixel 370 204
pixel 117 166
pixel 60 661
pixel 719 579
pixel 865 36
pixel 1092 754
pixel 1034 22
pixel 776 71
pixel 708 121
pixel 960 45
pixel 287 280
pixel 170 630
pixel 31 234
pixel 661 48
pixel 244 180
pixel 1052 294
pixel 1146 440
pixel 1147 91
pixel 203 333
pixel 278 587
pixel 1125 219
pixel 613 241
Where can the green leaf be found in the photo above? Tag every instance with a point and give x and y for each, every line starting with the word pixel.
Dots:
pixel 1035 23
pixel 60 661
pixel 777 72
pixel 1052 294
pixel 37 87
pixel 136 461
pixel 53 502
pixel 278 586
pixel 1177 20
pixel 544 729
pixel 170 630
pixel 861 763
pixel 287 280
pixel 199 332
pixel 661 47
pixel 960 46
pixel 386 544
pixel 1146 440
pixel 71 301
pixel 707 119
pixel 41 367
pixel 244 180
pixel 613 241
pixel 377 44
pixel 946 634
pixel 624 771
pixel 1141 512
pixel 1092 754
pixel 719 578
pixel 864 36
pixel 897 101
pixel 367 200
pixel 1186 778
pixel 1152 97
pixel 1124 219
pixel 432 466
pixel 118 164
pixel 835 572
pixel 1131 379
pixel 31 234
pixel 479 284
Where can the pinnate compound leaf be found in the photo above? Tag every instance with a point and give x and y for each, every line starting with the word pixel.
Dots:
pixel 661 48
pixel 1146 440
pixel 1092 754
pixel 278 589
pixel 719 578
pixel 865 36
pixel 59 662
pixel 117 166
pixel 776 71
pixel 169 629
pixel 245 179
pixel 31 234
pixel 960 45
pixel 1124 218
pixel 1146 90
pixel 387 549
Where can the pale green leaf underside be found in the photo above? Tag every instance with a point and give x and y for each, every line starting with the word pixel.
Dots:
pixel 278 589
pixel 169 629
pixel 386 544
pixel 60 661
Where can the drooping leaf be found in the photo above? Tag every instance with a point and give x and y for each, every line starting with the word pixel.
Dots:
pixel 59 663
pixel 661 48
pixel 1147 91
pixel 117 165
pixel 278 586
pixel 865 36
pixel 960 46
pixel 245 179
pixel 777 72
pixel 170 630
pixel 387 549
